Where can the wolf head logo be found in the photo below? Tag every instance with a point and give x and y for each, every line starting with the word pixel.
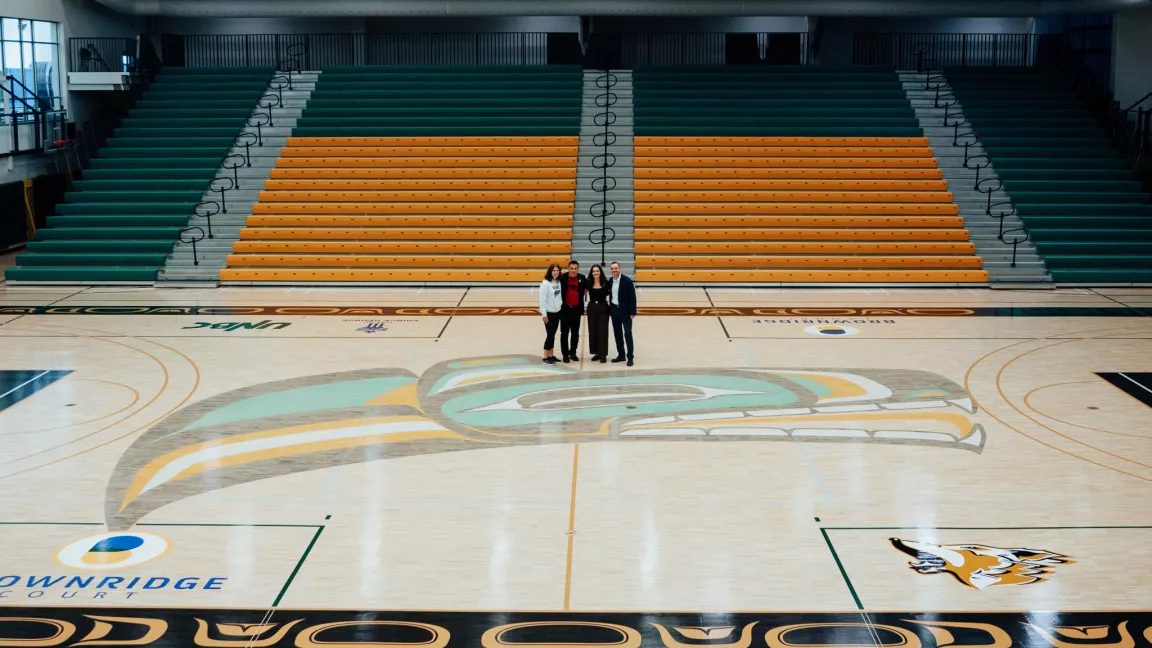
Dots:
pixel 981 566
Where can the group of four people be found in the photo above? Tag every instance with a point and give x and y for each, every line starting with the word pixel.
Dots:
pixel 563 298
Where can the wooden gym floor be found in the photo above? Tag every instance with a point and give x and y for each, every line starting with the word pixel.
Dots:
pixel 821 457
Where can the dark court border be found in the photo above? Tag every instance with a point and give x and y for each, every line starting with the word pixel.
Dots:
pixel 283 628
pixel 1138 385
pixel 660 311
pixel 16 385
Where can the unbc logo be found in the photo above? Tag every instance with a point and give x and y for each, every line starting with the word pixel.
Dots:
pixel 112 550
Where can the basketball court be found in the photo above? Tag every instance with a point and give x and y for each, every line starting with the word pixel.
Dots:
pixel 855 451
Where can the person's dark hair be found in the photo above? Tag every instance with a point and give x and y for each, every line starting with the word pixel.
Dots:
pixel 574 262
pixel 548 274
pixel 614 263
pixel 591 276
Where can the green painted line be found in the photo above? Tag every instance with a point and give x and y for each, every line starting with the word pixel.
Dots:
pixel 840 566
pixel 168 524
pixel 299 564
pixel 59 523
pixel 982 528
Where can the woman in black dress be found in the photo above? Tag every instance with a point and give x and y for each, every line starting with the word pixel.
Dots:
pixel 598 314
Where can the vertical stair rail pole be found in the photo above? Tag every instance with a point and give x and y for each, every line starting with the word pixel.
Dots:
pixel 195 235
pixel 604 207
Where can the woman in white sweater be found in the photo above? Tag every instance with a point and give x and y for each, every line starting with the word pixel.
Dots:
pixel 550 303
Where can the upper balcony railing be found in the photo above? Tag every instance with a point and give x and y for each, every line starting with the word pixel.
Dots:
pixel 903 51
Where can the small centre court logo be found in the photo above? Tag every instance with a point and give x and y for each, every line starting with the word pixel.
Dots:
pixel 112 550
pixel 830 329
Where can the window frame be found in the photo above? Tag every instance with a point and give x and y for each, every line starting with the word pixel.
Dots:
pixel 27 42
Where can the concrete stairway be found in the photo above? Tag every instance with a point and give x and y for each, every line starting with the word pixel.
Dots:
pixel 623 247
pixel 212 253
pixel 983 228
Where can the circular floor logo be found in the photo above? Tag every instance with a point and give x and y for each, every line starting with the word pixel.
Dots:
pixel 112 550
pixel 830 329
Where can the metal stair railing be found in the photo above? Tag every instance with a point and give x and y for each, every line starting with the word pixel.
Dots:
pixel 207 214
pixel 278 83
pixel 258 125
pixel 232 162
pixel 294 62
pixel 222 190
pixel 604 207
pixel 193 238
pixel 1013 236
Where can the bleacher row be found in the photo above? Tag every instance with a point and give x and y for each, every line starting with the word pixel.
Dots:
pixel 760 175
pixel 120 222
pixel 790 174
pixel 416 174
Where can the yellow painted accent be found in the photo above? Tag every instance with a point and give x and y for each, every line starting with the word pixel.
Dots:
pixel 406 395
pixel 482 361
pixel 960 422
pixel 840 387
pixel 147 472
pixel 105 557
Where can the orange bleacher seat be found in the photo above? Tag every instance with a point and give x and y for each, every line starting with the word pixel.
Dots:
pixel 416 162
pixel 556 209
pixel 436 172
pixel 661 233
pixel 349 184
pixel 449 219
pixel 748 276
pixel 403 247
pixel 379 275
pixel 809 261
pixel 882 197
pixel 424 232
pixel 410 209
pixel 765 186
pixel 797 209
pixel 787 163
pixel 785 151
pixel 747 173
pixel 430 151
pixel 462 141
pixel 389 197
pixel 660 140
pixel 801 247
pixel 942 209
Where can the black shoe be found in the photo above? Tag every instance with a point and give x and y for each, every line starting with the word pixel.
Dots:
pixel 629 363
pixel 620 359
pixel 603 359
pixel 567 359
pixel 550 360
pixel 575 358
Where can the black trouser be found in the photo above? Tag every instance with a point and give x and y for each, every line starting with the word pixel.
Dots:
pixel 569 330
pixel 550 330
pixel 622 327
pixel 598 329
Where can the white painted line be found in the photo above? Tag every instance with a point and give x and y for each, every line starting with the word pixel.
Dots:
pixel 1136 383
pixel 42 374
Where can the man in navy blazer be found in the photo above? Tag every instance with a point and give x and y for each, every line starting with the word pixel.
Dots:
pixel 623 311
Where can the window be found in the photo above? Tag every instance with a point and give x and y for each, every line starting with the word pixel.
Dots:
pixel 30 62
